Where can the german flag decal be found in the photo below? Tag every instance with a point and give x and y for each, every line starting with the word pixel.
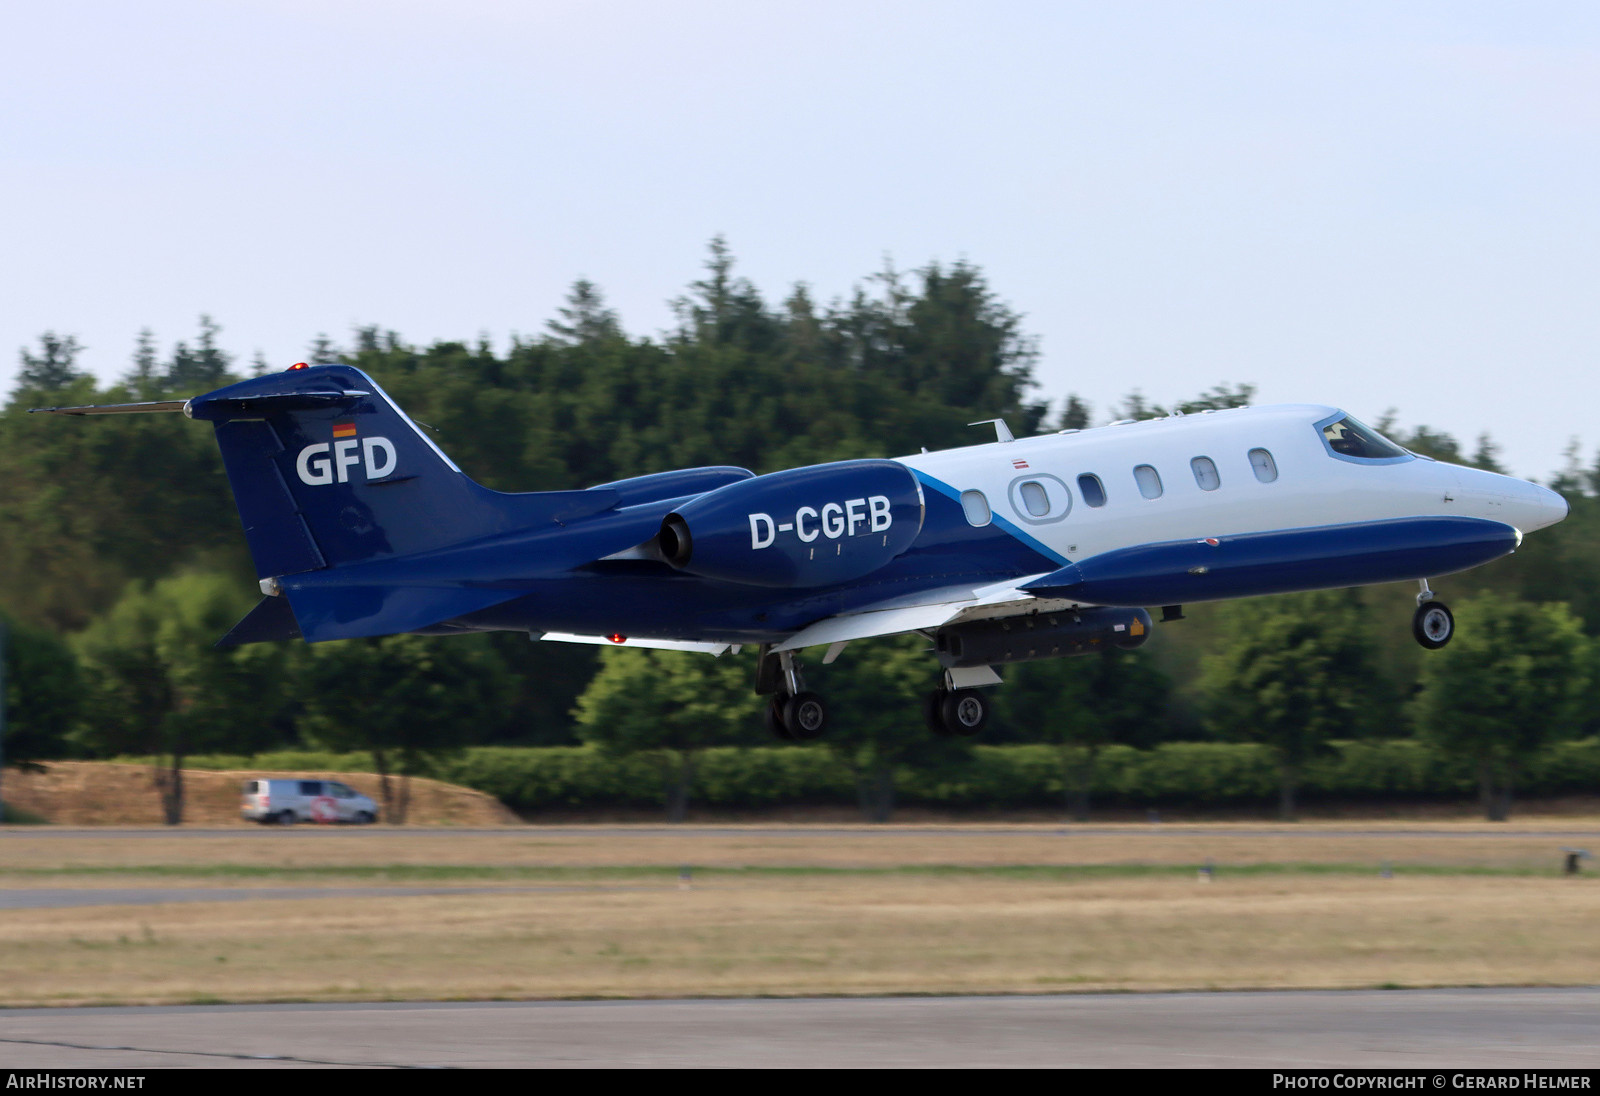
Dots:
pixel 344 429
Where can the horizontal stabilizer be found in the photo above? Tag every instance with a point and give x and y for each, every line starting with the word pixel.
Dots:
pixel 216 408
pixel 112 408
pixel 271 619
pixel 253 406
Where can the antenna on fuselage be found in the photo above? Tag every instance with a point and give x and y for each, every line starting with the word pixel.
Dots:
pixel 1002 432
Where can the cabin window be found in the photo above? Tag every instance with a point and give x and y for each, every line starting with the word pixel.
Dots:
pixel 1205 473
pixel 1034 499
pixel 1092 490
pixel 976 507
pixel 1149 481
pixel 1262 464
pixel 1351 439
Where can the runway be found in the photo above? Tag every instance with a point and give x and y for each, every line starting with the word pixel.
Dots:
pixel 1411 1029
pixel 980 831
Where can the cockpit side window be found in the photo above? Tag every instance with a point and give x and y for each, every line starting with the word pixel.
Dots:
pixel 1350 439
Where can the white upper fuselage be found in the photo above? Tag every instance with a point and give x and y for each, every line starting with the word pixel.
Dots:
pixel 1300 483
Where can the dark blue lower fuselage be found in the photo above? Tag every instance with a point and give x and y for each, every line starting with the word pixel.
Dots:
pixel 635 597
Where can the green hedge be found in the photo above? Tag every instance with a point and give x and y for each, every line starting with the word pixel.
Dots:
pixel 996 777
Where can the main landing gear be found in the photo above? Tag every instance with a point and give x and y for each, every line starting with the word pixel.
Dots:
pixel 794 714
pixel 1433 624
pixel 957 711
pixel 957 707
pixel 798 718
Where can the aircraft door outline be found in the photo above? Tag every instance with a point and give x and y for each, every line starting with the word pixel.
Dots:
pixel 1049 501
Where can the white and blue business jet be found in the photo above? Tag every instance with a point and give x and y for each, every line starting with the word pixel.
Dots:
pixel 1012 550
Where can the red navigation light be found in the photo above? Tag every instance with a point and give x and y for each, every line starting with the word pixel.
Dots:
pixel 617 637
pixel 297 365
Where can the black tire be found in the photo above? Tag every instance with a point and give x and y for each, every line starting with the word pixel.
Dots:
pixel 933 711
pixel 965 712
pixel 366 818
pixel 775 724
pixel 805 717
pixel 1434 624
pixel 285 818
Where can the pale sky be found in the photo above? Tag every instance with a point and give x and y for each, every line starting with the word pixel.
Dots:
pixel 1376 205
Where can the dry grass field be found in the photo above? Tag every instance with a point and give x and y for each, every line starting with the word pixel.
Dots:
pixel 101 793
pixel 570 912
pixel 816 935
pixel 1527 845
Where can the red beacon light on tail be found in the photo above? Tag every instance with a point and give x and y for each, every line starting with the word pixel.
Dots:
pixel 297 365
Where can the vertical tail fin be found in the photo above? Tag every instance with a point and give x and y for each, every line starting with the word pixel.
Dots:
pixel 328 471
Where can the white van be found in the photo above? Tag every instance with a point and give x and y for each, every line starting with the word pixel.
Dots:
pixel 285 802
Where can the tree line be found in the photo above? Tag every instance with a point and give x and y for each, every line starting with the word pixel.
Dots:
pixel 122 562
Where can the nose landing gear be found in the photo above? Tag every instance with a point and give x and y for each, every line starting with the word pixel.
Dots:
pixel 1434 624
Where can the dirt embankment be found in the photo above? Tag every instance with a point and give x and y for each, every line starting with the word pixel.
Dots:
pixel 98 793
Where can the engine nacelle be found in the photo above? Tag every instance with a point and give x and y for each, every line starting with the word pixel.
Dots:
pixel 1040 635
pixel 673 485
pixel 805 527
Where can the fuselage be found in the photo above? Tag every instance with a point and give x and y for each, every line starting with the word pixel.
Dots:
pixel 1269 468
pixel 1238 479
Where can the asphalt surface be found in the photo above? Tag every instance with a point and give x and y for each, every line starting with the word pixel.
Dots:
pixel 1429 1030
pixel 997 833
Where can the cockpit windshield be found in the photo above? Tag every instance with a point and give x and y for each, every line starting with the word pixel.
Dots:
pixel 1350 438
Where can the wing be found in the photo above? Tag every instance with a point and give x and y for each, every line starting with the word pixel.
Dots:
pixel 915 613
pixel 630 641
pixel 925 612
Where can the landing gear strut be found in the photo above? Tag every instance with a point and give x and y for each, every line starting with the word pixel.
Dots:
pixel 1433 624
pixel 794 714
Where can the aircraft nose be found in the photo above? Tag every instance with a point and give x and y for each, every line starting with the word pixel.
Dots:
pixel 1518 503
pixel 1538 507
pixel 1555 504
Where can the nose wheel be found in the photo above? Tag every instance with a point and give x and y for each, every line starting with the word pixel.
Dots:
pixel 1433 623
